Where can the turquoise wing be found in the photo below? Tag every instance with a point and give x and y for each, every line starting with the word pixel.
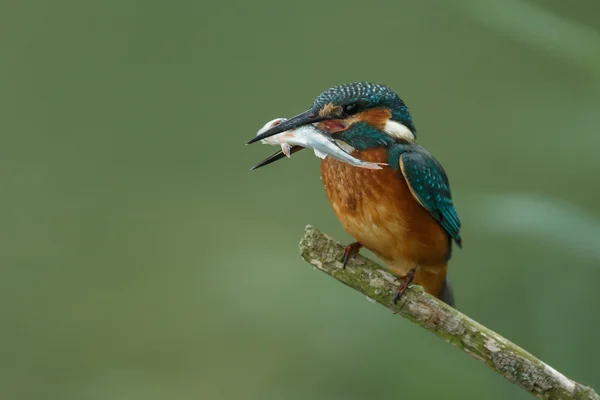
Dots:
pixel 429 185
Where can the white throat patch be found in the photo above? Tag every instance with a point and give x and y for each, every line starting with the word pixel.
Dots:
pixel 397 130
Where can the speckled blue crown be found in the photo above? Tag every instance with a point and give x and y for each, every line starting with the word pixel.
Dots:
pixel 368 94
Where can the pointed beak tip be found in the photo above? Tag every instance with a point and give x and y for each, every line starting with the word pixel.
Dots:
pixel 277 156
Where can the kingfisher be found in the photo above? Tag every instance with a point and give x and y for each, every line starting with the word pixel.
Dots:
pixel 403 212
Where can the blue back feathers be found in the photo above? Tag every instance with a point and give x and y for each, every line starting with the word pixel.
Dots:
pixel 429 184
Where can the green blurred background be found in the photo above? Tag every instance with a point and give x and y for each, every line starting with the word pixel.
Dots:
pixel 142 260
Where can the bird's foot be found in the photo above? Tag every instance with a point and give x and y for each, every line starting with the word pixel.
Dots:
pixel 350 251
pixel 406 281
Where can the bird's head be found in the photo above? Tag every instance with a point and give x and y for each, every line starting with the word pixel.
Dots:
pixel 362 114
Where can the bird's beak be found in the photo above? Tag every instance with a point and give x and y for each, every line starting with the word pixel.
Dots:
pixel 305 118
pixel 277 156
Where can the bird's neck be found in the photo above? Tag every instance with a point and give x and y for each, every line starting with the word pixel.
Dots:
pixel 362 136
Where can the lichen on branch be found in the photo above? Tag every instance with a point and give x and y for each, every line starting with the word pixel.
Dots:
pixel 483 344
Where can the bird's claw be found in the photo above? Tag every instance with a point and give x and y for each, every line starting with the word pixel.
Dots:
pixel 350 251
pixel 406 281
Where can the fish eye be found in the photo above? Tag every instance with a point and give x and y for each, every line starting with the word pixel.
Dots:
pixel 351 109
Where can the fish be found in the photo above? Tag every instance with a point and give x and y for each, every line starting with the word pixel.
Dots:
pixel 279 139
pixel 312 137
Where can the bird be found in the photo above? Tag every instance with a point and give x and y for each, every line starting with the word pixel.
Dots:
pixel 404 212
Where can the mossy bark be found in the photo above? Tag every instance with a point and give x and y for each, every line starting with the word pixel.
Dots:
pixel 508 359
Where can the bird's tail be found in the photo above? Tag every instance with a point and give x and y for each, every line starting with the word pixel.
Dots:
pixel 447 295
pixel 434 281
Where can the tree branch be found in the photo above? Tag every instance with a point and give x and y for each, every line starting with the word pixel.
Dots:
pixel 504 357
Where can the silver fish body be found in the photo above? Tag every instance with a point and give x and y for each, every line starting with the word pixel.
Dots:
pixel 310 136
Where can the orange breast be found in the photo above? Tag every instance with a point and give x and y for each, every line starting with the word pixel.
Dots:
pixel 378 210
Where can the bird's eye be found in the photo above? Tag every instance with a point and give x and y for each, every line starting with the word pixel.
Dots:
pixel 352 108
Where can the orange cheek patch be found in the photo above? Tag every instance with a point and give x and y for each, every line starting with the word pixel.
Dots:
pixel 376 117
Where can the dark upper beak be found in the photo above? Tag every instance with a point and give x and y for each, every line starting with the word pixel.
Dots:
pixel 305 118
